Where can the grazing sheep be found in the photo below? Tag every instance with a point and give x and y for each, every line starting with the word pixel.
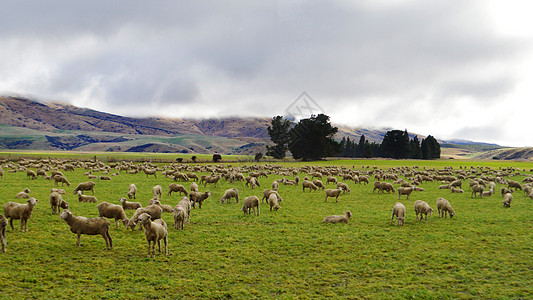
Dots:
pixel 385 187
pixel 129 205
pixel 338 218
pixel 197 197
pixel 507 199
pixel 456 183
pixel 193 176
pixel 194 187
pixel 487 193
pixel 331 179
pixel 514 184
pixel 157 190
pixel 3 225
pixel 504 191
pixel 444 187
pixel 56 202
pixel 230 193
pixel 31 174
pixel 273 202
pixel 444 208
pixel 398 211
pixel 180 215
pixel 60 191
pixel 215 179
pixel 150 172
pixel 250 203
pixel 333 193
pixel 421 207
pixel 456 190
pixel 112 211
pixel 90 226
pixel 132 191
pixel 405 191
pixel 155 211
pixel 186 204
pixel 85 186
pixel 275 185
pixel 105 178
pixel 24 194
pixel 344 186
pixel 60 178
pixel 154 231
pixel 318 183
pixel 308 184
pixel 477 189
pixel 22 212
pixel 173 187
pixel 85 198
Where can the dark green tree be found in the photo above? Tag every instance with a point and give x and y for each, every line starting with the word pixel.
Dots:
pixel 367 152
pixel 312 138
pixel 416 151
pixel 279 134
pixel 430 148
pixel 360 149
pixel 258 156
pixel 396 144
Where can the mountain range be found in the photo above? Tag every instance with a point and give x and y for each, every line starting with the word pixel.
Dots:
pixel 34 125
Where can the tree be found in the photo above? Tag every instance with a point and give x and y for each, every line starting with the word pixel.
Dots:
pixel 416 151
pixel 361 147
pixel 217 158
pixel 193 158
pixel 258 156
pixel 312 138
pixel 279 134
pixel 430 148
pixel 396 144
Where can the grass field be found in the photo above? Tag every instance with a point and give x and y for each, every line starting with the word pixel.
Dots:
pixel 484 252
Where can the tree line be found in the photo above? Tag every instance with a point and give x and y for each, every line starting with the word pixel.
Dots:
pixel 313 138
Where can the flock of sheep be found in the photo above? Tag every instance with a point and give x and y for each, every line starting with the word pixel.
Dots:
pixel 482 182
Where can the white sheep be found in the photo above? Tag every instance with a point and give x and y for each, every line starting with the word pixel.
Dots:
pixel 398 211
pixel 456 190
pixel 338 218
pixel 194 187
pixel 157 190
pixel 444 208
pixel 421 207
pixel 132 191
pixel 197 197
pixel 477 189
pixel 60 178
pixel 154 231
pixel 273 202
pixel 22 212
pixel 85 198
pixel 507 199
pixel 230 193
pixel 275 185
pixel 85 186
pixel 129 205
pixel 153 210
pixel 166 208
pixel 308 184
pixel 344 186
pixel 3 225
pixel 90 226
pixel 180 216
pixel 56 202
pixel 112 211
pixel 333 193
pixel 24 194
pixel 405 191
pixel 318 183
pixel 186 204
pixel 250 203
pixel 60 191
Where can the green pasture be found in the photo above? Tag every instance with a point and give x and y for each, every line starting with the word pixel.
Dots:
pixel 484 252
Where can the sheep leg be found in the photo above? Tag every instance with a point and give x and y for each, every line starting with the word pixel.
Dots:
pixel 165 240
pixel 11 223
pixel 78 241
pixel 23 225
pixel 392 219
pixel 337 199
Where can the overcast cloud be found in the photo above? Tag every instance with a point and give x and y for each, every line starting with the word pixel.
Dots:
pixel 452 69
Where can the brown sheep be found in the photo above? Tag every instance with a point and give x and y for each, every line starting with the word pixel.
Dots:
pixel 90 226
pixel 338 218
pixel 22 212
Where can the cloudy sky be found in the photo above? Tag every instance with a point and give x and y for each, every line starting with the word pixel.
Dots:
pixel 452 69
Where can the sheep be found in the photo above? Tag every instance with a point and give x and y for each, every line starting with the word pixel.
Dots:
pixel 31 174
pixel 230 193
pixel 132 191
pixel 193 176
pixel 154 231
pixel 153 210
pixel 180 215
pixel 507 199
pixel 85 186
pixel 129 205
pixel 180 176
pixel 477 189
pixel 275 185
pixel 60 191
pixel 194 187
pixel 157 190
pixel 24 194
pixel 197 197
pixel 405 191
pixel 215 179
pixel 318 183
pixel 344 186
pixel 267 192
pixel 331 179
pixel 514 184
pixel 150 172
pixel 3 225
pixel 384 186
pixel 456 190
pixel 250 203
pixel 444 208
pixel 90 226
pixel 173 187
pixel 444 187
pixel 399 211
pixel 114 211
pixel 60 178
pixel 456 183
pixel 273 202
pixel 105 178
pixel 165 207
pixel 56 202
pixel 333 193
pixel 85 198
pixel 308 184
pixel 186 204
pixel 487 193
pixel 338 218
pixel 421 207
pixel 22 212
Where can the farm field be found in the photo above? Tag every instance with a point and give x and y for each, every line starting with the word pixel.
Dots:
pixel 485 251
